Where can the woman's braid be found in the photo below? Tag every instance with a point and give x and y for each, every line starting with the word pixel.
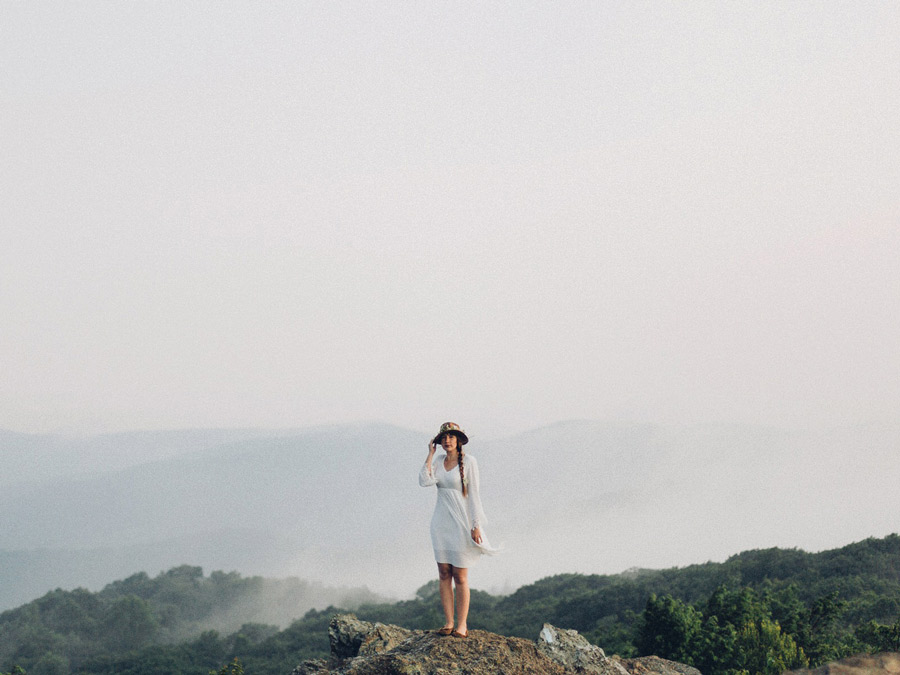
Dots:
pixel 462 471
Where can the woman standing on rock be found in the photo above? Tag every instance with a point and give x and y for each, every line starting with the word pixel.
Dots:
pixel 456 533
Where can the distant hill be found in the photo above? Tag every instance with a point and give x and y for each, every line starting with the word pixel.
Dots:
pixel 28 458
pixel 340 504
pixel 62 630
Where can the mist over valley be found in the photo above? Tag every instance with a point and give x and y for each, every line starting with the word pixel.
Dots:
pixel 338 506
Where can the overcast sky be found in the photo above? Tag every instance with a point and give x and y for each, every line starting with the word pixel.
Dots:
pixel 287 214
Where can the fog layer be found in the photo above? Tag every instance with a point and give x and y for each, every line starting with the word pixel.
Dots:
pixel 341 505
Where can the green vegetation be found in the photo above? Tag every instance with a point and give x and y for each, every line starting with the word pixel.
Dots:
pixel 233 668
pixel 758 612
pixel 159 625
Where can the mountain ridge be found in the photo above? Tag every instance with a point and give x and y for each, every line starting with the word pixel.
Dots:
pixel 595 496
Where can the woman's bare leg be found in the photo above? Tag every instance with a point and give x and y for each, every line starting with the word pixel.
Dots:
pixel 461 577
pixel 445 579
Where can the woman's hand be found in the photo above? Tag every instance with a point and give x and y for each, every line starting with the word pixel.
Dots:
pixel 431 448
pixel 476 535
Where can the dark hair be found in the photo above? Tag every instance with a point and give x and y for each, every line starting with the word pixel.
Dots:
pixel 462 471
pixel 459 460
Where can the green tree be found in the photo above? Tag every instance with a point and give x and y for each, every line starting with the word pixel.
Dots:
pixel 669 628
pixel 129 624
pixel 762 648
pixel 50 663
pixel 883 638
pixel 737 607
pixel 233 668
pixel 715 647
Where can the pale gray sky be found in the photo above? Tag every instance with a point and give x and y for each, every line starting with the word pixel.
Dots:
pixel 283 214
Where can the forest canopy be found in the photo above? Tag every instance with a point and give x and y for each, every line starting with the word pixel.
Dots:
pixel 761 611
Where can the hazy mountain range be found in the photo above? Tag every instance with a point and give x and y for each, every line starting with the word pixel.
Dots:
pixel 340 504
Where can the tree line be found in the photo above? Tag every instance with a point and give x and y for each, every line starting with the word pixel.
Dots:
pixel 760 611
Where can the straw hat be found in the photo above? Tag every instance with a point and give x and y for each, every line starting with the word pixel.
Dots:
pixel 451 428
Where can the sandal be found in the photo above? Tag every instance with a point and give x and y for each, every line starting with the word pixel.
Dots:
pixel 444 631
pixel 456 633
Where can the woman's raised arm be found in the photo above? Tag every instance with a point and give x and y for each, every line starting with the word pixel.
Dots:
pixel 426 475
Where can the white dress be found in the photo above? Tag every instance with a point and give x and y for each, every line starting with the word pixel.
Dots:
pixel 455 515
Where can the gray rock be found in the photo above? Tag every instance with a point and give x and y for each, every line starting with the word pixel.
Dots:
pixel 350 637
pixel 312 667
pixel 365 648
pixel 571 650
pixel 653 665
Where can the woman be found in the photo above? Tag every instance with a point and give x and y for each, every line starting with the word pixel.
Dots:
pixel 456 524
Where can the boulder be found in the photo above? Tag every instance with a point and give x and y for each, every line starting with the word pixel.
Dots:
pixel 365 648
pixel 572 651
pixel 350 637
pixel 653 665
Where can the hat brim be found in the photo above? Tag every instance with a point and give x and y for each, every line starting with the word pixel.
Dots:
pixel 460 435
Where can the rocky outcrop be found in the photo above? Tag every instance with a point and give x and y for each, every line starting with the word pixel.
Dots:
pixel 886 663
pixel 653 665
pixel 571 650
pixel 364 648
pixel 350 637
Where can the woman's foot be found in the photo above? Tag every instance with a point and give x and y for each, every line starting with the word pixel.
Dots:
pixel 460 633
pixel 446 630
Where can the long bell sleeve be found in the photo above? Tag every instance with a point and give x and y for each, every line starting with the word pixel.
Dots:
pixel 473 501
pixel 426 475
